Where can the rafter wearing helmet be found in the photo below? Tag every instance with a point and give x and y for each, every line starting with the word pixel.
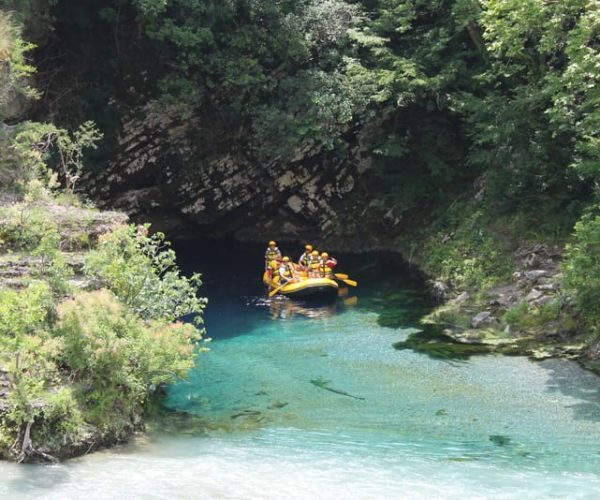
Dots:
pixel 305 257
pixel 272 253
pixel 287 273
pixel 326 265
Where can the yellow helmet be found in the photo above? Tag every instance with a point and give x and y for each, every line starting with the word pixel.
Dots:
pixel 315 253
pixel 309 248
pixel 272 243
pixel 286 259
pixel 324 255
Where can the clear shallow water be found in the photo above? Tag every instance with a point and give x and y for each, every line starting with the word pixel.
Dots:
pixel 393 424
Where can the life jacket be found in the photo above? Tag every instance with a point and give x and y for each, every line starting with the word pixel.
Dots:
pixel 314 263
pixel 325 269
pixel 272 254
pixel 304 259
pixel 272 268
pixel 286 271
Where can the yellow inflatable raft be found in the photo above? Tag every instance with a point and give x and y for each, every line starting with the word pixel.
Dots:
pixel 306 287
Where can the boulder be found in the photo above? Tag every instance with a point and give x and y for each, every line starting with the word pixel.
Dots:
pixel 548 287
pixel 535 275
pixel 482 318
pixel 440 289
pixel 534 295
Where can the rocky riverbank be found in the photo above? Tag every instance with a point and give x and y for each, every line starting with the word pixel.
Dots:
pixel 529 315
pixel 88 326
pixel 79 230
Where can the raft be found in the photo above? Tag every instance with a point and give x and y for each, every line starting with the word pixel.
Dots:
pixel 307 287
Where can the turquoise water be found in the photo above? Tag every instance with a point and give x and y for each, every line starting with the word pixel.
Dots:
pixel 313 402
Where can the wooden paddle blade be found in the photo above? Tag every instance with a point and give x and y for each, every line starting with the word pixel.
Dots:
pixel 341 276
pixel 350 282
pixel 275 290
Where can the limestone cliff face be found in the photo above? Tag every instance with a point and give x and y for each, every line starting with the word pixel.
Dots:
pixel 199 176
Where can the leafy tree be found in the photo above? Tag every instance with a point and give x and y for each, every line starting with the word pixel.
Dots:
pixel 43 147
pixel 14 68
pixel 582 269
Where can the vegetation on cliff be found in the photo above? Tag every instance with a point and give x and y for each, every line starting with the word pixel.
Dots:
pixel 90 307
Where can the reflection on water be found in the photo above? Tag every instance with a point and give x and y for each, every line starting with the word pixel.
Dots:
pixel 282 308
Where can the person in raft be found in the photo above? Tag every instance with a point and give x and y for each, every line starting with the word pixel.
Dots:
pixel 273 271
pixel 305 257
pixel 326 265
pixel 272 253
pixel 287 273
pixel 313 265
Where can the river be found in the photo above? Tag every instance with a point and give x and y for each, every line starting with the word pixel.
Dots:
pixel 304 401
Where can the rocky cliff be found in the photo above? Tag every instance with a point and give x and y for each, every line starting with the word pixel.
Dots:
pixel 199 176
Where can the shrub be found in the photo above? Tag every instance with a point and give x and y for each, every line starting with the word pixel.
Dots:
pixel 23 226
pixel 472 257
pixel 27 354
pixel 581 269
pixel 114 356
pixel 142 273
pixel 24 312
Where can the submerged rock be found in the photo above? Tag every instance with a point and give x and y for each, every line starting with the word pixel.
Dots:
pixel 500 440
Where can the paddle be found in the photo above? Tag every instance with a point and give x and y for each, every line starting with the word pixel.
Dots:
pixel 348 282
pixel 341 276
pixel 275 290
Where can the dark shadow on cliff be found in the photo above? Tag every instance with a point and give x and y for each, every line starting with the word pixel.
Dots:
pixel 232 277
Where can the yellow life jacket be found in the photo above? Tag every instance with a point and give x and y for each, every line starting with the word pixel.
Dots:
pixel 288 271
pixel 325 269
pixel 272 254
pixel 304 259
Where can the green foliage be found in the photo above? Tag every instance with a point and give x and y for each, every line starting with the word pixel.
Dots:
pixel 42 149
pixel 581 269
pixel 23 313
pixel 318 110
pixel 514 316
pixel 91 359
pixel 14 68
pixel 117 356
pixel 26 355
pixel 524 317
pixel 25 226
pixel 466 253
pixel 142 273
pixel 93 362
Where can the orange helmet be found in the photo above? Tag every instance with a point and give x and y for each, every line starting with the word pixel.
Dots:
pixel 309 248
pixel 286 259
pixel 272 243
pixel 315 253
pixel 324 255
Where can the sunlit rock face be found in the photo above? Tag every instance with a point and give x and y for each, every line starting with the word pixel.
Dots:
pixel 199 174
